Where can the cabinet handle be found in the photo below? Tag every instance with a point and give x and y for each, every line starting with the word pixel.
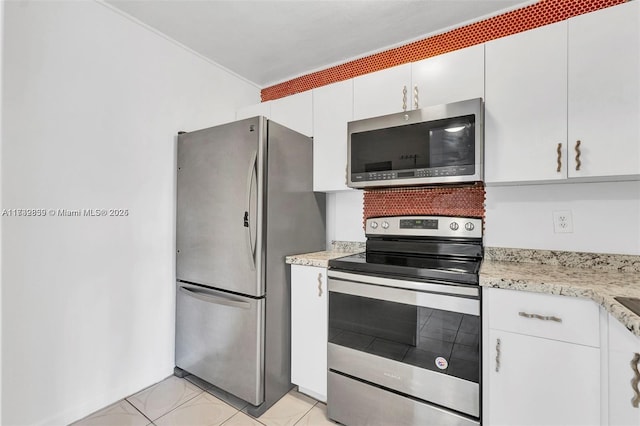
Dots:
pixel 319 284
pixel 578 163
pixel 415 97
pixel 540 317
pixel 497 355
pixel 559 151
pixel 636 379
pixel 404 98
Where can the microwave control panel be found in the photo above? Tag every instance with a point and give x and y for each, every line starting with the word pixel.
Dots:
pixel 417 173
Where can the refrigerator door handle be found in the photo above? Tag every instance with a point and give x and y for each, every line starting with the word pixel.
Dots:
pixel 252 176
pixel 206 296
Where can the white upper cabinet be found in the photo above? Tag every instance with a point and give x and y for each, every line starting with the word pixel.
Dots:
pixel 563 101
pixel 452 77
pixel 263 109
pixel 526 106
pixel 381 92
pixel 294 112
pixel 604 91
pixel 332 109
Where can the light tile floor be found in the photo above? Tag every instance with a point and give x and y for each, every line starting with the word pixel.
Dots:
pixel 181 402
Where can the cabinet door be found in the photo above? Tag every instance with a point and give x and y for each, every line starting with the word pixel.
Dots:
pixel 624 348
pixel 604 91
pixel 452 77
pixel 332 109
pixel 536 381
pixel 381 92
pixel 294 112
pixel 309 330
pixel 526 106
pixel 263 109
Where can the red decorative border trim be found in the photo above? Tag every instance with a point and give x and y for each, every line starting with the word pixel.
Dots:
pixel 536 15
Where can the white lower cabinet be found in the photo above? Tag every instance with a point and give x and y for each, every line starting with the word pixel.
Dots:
pixel 541 368
pixel 624 355
pixel 309 330
pixel 537 381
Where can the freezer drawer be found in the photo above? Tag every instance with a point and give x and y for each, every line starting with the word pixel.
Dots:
pixel 220 338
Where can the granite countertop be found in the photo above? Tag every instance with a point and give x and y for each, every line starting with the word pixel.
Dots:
pixel 321 258
pixel 599 277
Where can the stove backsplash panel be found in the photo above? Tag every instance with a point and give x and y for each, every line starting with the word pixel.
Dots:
pixel 464 201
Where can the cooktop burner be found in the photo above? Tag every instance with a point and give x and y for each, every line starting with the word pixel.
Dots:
pixel 459 271
pixel 442 249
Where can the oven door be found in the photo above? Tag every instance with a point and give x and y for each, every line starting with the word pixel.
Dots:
pixel 419 339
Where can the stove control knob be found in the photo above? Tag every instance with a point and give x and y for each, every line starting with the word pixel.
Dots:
pixel 454 226
pixel 385 224
pixel 374 225
pixel 469 226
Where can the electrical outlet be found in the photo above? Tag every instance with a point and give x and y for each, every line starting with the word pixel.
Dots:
pixel 562 222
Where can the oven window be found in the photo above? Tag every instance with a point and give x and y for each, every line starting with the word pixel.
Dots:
pixel 442 341
pixel 441 143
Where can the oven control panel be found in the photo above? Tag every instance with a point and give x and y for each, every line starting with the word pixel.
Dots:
pixel 427 226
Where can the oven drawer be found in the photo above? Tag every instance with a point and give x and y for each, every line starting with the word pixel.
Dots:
pixel 448 391
pixel 355 403
pixel 563 318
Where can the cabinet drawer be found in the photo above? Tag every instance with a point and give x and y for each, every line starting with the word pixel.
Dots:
pixel 563 318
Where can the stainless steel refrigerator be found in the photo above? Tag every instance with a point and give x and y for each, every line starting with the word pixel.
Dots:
pixel 245 200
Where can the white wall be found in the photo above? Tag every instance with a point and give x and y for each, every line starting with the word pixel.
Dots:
pixel 1 221
pixel 606 217
pixel 344 216
pixel 92 103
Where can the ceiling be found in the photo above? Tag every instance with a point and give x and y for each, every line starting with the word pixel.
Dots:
pixel 268 42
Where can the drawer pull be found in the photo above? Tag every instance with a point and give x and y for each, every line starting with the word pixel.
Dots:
pixel 540 317
pixel 497 355
pixel 320 284
pixel 636 379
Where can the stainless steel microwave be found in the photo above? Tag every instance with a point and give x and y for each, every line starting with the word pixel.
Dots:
pixel 433 145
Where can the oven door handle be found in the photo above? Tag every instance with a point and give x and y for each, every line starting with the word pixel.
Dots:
pixel 406 284
pixel 447 302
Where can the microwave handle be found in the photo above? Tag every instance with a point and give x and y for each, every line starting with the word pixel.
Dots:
pixel 346 174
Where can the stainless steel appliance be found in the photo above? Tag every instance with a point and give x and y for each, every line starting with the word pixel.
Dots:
pixel 404 324
pixel 244 202
pixel 438 144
